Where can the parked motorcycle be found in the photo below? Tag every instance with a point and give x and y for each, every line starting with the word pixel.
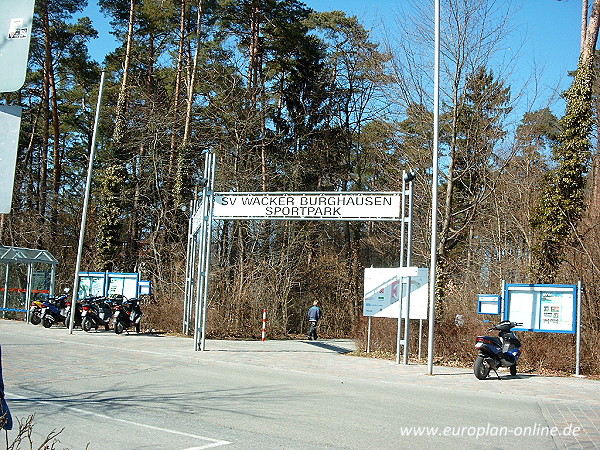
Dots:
pixel 35 311
pixel 78 310
pixel 495 352
pixel 127 313
pixel 53 310
pixel 96 312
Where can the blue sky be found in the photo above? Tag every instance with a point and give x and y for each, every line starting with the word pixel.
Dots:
pixel 549 29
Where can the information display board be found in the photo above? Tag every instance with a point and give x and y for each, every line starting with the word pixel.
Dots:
pixel 91 284
pixel 145 287
pixel 108 283
pixel 489 304
pixel 125 284
pixel 382 291
pixel 550 308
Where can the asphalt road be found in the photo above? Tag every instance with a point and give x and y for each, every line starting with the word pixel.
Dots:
pixel 133 391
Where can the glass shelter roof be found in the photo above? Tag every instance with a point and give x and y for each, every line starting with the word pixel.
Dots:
pixel 19 255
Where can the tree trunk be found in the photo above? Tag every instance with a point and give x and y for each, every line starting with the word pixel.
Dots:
pixel 591 33
pixel 122 99
pixel 177 92
pixel 182 155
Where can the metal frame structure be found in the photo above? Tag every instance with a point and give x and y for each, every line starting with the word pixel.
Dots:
pixel 201 219
pixel 18 255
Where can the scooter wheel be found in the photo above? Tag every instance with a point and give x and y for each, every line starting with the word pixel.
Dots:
pixel 481 368
pixel 47 323
pixel 35 319
pixel 513 370
pixel 86 324
pixel 119 327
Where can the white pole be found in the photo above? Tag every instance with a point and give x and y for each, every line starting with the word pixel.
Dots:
pixel 86 199
pixel 189 270
pixel 408 264
pixel 434 189
pixel 420 336
pixel 28 293
pixel 6 277
pixel 369 335
pixel 210 199
pixel 264 325
pixel 402 264
pixel 399 331
pixel 201 257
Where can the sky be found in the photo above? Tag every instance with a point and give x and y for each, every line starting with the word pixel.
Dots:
pixel 547 33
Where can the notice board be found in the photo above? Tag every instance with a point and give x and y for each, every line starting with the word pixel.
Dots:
pixel 548 308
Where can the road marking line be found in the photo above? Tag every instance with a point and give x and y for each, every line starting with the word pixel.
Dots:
pixel 213 442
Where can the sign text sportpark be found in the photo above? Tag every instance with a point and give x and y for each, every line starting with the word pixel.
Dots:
pixel 307 205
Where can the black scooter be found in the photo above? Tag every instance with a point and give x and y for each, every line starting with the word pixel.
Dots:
pixel 495 352
pixel 53 310
pixel 96 312
pixel 127 314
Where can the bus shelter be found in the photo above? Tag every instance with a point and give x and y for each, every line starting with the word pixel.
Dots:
pixel 36 278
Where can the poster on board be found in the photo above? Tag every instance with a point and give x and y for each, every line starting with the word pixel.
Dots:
pixel 91 284
pixel 382 292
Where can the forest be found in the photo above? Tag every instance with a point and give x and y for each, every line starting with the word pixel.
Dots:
pixel 294 100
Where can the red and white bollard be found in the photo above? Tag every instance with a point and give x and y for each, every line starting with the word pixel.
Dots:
pixel 264 328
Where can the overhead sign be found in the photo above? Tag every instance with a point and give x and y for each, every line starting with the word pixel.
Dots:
pixel 16 18
pixel 307 205
pixel 542 307
pixel 10 124
pixel 382 292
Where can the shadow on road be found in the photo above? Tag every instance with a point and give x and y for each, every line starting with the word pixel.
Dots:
pixel 326 346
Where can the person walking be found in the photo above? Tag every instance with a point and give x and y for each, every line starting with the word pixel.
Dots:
pixel 314 315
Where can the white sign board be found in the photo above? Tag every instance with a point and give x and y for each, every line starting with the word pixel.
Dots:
pixel 10 125
pixel 542 307
pixel 125 284
pixel 91 284
pixel 307 205
pixel 489 304
pixel 16 17
pixel 382 292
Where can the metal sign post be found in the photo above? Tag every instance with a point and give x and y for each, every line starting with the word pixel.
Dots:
pixel 86 199
pixel 434 187
pixel 408 177
pixel 578 333
pixel 209 220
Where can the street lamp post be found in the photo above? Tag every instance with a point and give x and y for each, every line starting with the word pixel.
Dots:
pixel 434 190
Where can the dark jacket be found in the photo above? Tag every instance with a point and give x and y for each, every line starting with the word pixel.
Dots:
pixel 314 313
pixel 5 417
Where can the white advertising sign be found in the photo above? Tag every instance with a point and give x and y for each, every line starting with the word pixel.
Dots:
pixel 382 291
pixel 307 205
